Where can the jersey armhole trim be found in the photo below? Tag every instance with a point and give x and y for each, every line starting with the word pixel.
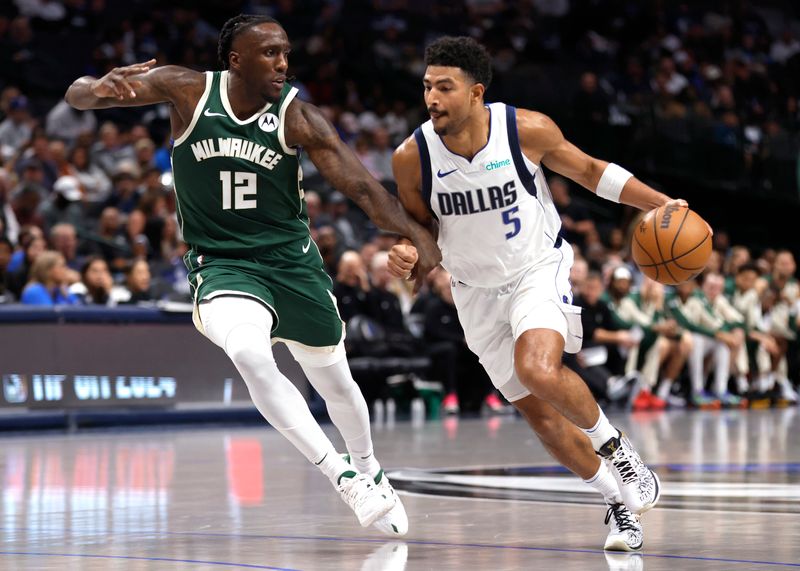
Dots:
pixel 281 114
pixel 425 168
pixel 198 110
pixel 524 174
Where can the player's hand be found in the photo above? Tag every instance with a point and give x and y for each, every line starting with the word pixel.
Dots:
pixel 681 203
pixel 429 257
pixel 677 202
pixel 402 259
pixel 118 82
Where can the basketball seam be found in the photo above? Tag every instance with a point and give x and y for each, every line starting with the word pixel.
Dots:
pixel 642 248
pixel 658 245
pixel 677 233
pixel 673 260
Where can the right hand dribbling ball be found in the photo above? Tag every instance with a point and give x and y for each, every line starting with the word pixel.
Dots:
pixel 671 244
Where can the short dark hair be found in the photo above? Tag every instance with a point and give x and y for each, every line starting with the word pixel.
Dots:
pixel 748 267
pixel 233 28
pixel 464 53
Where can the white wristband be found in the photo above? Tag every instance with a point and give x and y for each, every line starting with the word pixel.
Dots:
pixel 612 181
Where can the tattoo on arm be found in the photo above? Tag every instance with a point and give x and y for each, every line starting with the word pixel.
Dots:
pixel 307 127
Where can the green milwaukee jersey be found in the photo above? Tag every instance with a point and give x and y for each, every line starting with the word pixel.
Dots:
pixel 238 185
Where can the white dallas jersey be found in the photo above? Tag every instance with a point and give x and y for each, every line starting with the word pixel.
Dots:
pixel 496 215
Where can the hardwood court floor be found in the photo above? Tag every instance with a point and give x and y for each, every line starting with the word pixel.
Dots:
pixel 484 495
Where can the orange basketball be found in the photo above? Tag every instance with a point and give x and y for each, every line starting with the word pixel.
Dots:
pixel 671 244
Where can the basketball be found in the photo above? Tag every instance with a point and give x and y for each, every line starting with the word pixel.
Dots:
pixel 671 244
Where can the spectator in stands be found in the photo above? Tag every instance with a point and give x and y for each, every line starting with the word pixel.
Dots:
pixel 576 221
pixel 773 338
pixel 138 282
pixel 453 363
pixel 28 194
pixel 711 335
pixel 110 150
pixel 577 275
pixel 330 248
pixel 38 151
pixel 96 286
pixel 16 279
pixel 16 129
pixel 64 239
pixel 48 282
pixel 782 276
pixel 66 123
pixel 125 192
pixel 384 303
pixel 316 217
pixel 94 181
pixel 339 211
pixel 737 257
pixel 600 363
pixel 65 204
pixel 352 286
pixel 111 240
pixel 382 151
pixel 145 151
pixel 642 318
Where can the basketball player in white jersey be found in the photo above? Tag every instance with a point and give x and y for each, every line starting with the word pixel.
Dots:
pixel 472 174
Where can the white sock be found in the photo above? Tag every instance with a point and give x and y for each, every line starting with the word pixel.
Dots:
pixel 601 432
pixel 347 409
pixel 605 483
pixel 333 466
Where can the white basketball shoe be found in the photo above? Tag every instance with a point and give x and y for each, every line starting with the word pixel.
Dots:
pixel 626 532
pixel 638 484
pixel 395 521
pixel 362 495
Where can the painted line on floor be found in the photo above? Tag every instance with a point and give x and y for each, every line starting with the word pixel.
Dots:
pixel 134 558
pixel 477 546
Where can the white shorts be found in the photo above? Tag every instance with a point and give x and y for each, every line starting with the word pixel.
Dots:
pixel 494 318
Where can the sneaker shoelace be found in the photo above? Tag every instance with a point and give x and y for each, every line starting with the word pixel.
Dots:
pixel 622 517
pixel 354 492
pixel 622 462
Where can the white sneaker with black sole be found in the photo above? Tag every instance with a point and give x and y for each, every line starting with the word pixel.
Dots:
pixel 626 532
pixel 638 484
pixel 362 495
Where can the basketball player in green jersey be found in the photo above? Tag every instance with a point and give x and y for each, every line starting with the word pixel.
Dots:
pixel 256 275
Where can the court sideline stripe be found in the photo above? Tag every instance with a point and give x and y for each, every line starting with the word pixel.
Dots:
pixel 378 540
pixel 134 558
pixel 478 546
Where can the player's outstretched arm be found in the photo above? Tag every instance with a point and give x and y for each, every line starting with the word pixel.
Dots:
pixel 305 126
pixel 542 141
pixel 133 85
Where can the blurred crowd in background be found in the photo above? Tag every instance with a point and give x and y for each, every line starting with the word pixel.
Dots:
pixel 698 91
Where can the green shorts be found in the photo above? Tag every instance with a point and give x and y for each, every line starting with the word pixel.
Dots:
pixel 289 281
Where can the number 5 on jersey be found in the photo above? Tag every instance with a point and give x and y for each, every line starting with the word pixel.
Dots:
pixel 236 196
pixel 508 218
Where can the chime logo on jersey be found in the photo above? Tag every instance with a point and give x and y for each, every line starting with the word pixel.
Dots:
pixel 478 200
pixel 268 122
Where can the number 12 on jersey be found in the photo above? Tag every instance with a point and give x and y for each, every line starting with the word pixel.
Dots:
pixel 509 218
pixel 236 196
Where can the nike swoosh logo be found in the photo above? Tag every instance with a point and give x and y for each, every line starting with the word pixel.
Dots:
pixel 307 246
pixel 441 174
pixel 210 113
